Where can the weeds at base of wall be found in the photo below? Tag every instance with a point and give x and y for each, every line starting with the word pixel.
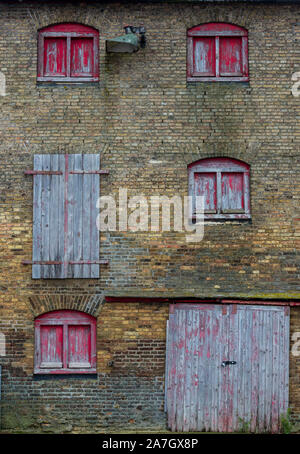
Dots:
pixel 286 424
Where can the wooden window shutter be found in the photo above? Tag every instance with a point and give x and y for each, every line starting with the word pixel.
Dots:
pixel 68 52
pixel 217 51
pixel 55 57
pixel 225 185
pixel 51 346
pixel 65 233
pixel 79 346
pixel 65 342
pixel 206 186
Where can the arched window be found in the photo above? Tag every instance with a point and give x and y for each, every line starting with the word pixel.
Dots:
pixel 224 184
pixel 65 343
pixel 217 52
pixel 68 53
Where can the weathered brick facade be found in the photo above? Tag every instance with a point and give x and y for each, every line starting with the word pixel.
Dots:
pixel 148 124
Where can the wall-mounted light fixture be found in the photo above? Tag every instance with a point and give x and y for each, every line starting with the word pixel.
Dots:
pixel 128 43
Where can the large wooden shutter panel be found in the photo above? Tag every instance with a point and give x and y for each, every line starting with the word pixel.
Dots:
pixel 64 216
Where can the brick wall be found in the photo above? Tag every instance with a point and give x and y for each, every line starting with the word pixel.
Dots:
pixel 127 392
pixel 148 124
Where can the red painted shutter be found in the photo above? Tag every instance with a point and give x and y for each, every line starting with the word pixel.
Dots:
pixel 82 57
pixel 65 234
pixel 232 192
pixel 225 185
pixel 231 61
pixel 206 186
pixel 51 347
pixel 217 51
pixel 55 56
pixel 79 346
pixel 204 56
pixel 68 51
pixel 65 342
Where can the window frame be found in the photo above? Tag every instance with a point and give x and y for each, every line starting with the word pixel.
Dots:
pixel 213 32
pixel 218 166
pixel 64 318
pixel 74 30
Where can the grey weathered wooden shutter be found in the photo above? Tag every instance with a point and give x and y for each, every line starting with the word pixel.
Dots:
pixel 65 234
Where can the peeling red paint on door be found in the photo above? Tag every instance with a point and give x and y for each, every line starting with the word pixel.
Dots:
pixel 227 369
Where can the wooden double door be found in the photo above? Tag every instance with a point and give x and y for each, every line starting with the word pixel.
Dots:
pixel 227 367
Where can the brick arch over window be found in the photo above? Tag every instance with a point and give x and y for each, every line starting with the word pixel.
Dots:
pixel 217 51
pixel 65 343
pixel 42 303
pixel 68 52
pixel 225 185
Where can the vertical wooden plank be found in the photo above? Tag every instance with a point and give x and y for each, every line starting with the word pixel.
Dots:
pixel 195 363
pixel 77 217
pixel 245 55
pixel 0 396
pixel 261 370
pixel 217 56
pixel 268 393
pixel 66 215
pixel 224 384
pixel 87 179
pixel 95 193
pixel 254 369
pixel 180 371
pixel 248 368
pixel 201 370
pixel 72 196
pixel 60 269
pixel 68 68
pixel 167 365
pixel 188 360
pixel 234 369
pixel 37 218
pixel 286 357
pixel 219 192
pixel 283 362
pixel 241 346
pixel 172 371
pixel 209 369
pixel 45 215
pixel 216 366
pixel 275 381
pixel 53 216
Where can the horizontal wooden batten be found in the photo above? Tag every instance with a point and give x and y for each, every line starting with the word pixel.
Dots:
pixel 73 172
pixel 43 172
pixel 71 262
pixel 185 301
pixel 89 172
pixel 88 262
